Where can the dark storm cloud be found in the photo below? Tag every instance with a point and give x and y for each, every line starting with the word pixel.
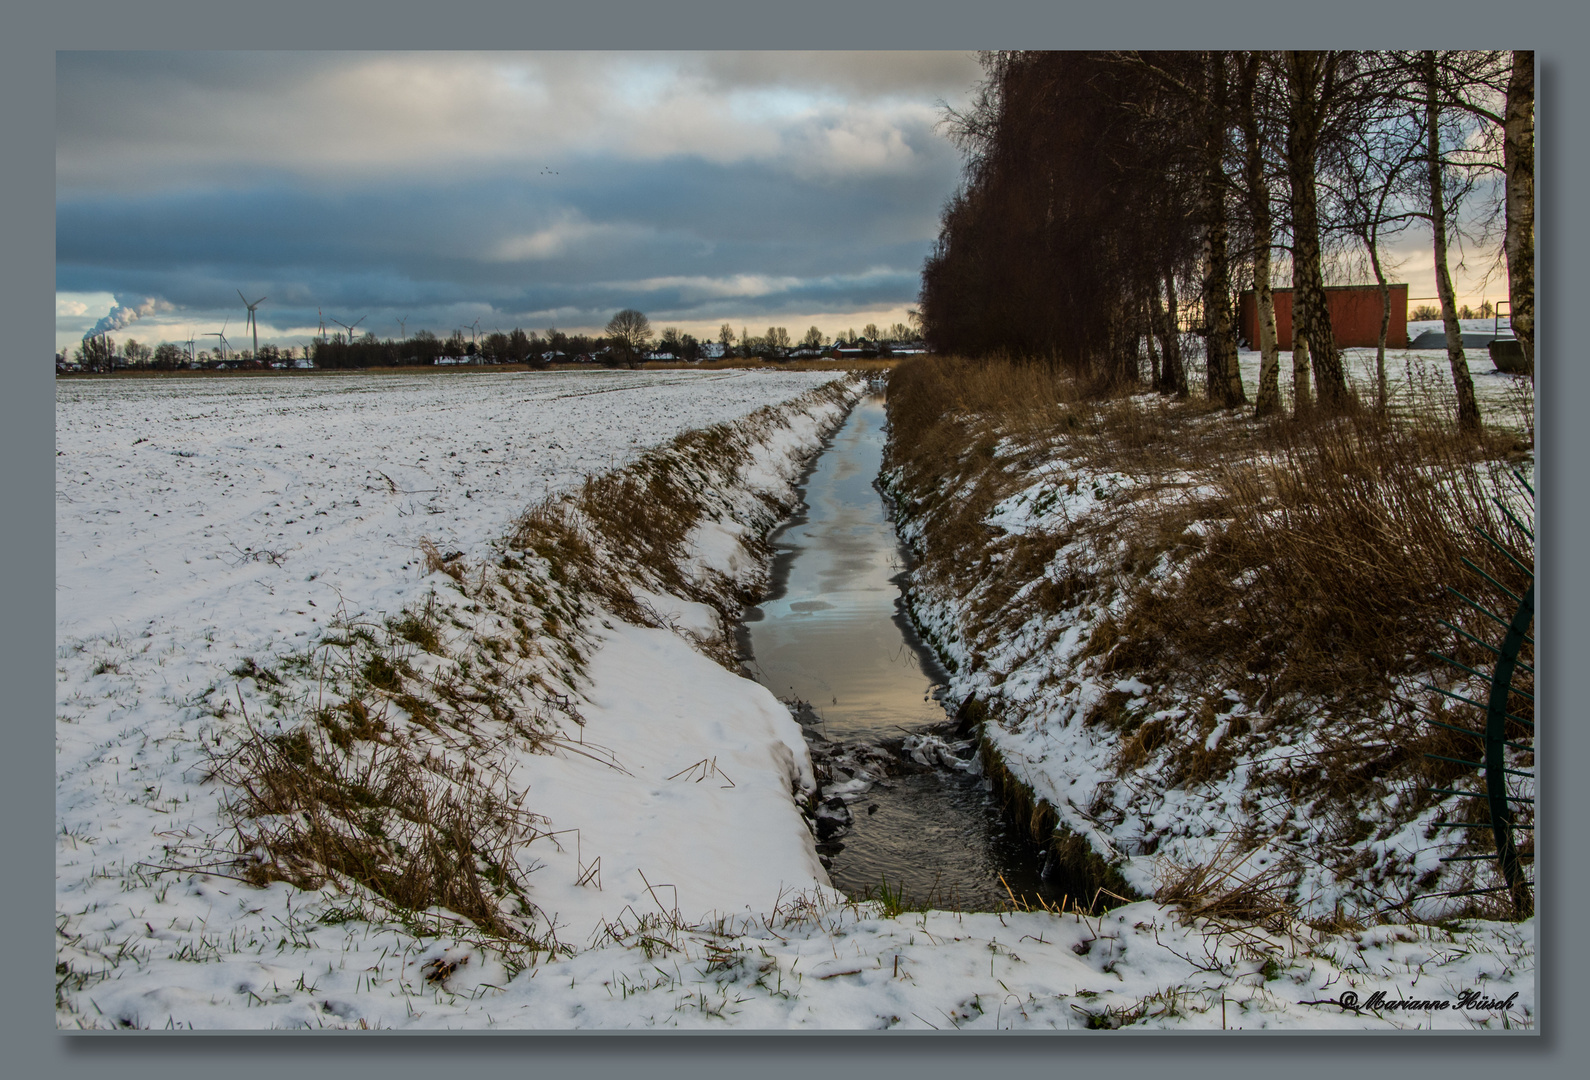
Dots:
pixel 505 188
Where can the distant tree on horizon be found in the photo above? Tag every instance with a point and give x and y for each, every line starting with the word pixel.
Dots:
pixel 169 356
pixel 629 332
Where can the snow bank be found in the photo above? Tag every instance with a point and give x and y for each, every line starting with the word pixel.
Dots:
pixel 218 539
pixel 818 965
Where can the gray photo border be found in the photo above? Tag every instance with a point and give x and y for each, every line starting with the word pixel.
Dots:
pixel 34 1048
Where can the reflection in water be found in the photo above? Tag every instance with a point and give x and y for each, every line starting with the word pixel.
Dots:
pixel 833 635
pixel 830 634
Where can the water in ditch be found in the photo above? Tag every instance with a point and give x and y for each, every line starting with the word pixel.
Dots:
pixel 903 798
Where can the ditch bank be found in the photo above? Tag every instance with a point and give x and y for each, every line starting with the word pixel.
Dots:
pixel 1184 680
pixel 552 739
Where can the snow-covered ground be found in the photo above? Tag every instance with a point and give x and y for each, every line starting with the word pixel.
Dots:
pixel 1033 667
pixel 1468 326
pixel 225 506
pixel 825 966
pixel 1417 377
pixel 206 524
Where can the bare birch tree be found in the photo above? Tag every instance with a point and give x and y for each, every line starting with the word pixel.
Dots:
pixel 1518 155
pixel 1468 410
pixel 1256 191
pixel 1315 83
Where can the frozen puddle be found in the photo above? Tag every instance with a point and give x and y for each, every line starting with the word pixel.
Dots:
pixel 903 798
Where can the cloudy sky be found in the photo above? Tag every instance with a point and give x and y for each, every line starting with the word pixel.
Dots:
pixel 529 190
pixel 448 190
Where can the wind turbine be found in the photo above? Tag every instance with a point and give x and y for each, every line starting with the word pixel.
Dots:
pixel 403 327
pixel 252 322
pixel 222 335
pixel 348 328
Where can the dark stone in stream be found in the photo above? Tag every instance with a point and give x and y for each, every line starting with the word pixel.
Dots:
pixel 969 718
pixel 833 818
pixel 828 828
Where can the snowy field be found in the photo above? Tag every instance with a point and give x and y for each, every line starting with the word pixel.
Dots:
pixel 1417 377
pixel 236 506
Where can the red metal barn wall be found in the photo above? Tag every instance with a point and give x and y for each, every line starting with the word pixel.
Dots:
pixel 1355 316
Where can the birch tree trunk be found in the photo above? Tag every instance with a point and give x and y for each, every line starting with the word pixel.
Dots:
pixel 1307 73
pixel 1151 324
pixel 1518 158
pixel 1381 394
pixel 1258 197
pixel 1174 371
pixel 1302 394
pixel 1224 374
pixel 1468 412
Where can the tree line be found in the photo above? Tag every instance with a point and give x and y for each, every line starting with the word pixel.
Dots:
pixel 1111 199
pixel 101 352
pixel 628 340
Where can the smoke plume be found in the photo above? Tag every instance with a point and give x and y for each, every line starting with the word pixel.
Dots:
pixel 122 314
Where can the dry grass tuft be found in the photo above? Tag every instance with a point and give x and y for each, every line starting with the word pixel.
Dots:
pixel 1331 570
pixel 451 564
pixel 416 831
pixel 1229 889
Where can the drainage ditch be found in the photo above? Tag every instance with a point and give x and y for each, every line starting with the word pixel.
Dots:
pixel 904 804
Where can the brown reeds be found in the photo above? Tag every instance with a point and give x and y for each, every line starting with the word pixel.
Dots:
pixel 1332 568
pixel 1324 549
pixel 1233 888
pixel 414 830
